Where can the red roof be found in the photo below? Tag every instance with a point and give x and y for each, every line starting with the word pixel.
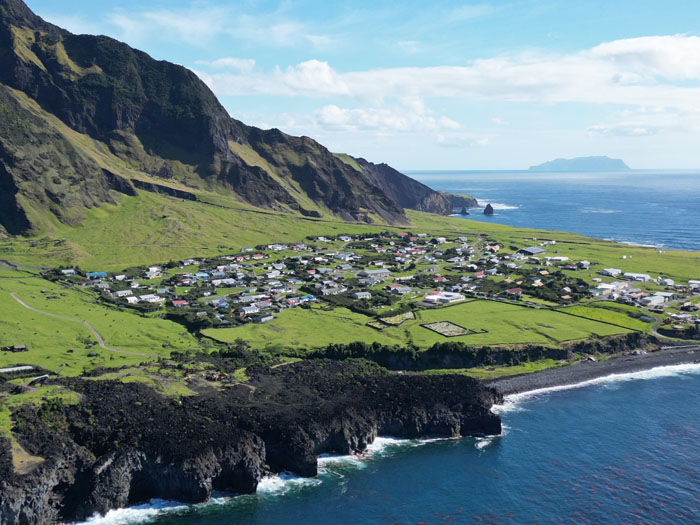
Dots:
pixel 514 291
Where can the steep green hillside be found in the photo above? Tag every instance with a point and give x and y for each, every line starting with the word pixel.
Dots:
pixel 85 118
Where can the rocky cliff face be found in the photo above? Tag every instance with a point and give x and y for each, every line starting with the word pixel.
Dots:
pixel 407 192
pixel 82 101
pixel 125 444
pixel 461 201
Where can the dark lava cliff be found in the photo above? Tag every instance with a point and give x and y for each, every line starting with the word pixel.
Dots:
pixel 124 443
pixel 72 104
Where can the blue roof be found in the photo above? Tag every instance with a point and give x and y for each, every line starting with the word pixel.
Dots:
pixel 97 274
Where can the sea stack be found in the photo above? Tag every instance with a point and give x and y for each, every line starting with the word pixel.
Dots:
pixel 464 211
pixel 488 210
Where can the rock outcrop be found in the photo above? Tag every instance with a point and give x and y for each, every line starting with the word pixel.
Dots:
pixel 459 200
pixel 124 443
pixel 488 210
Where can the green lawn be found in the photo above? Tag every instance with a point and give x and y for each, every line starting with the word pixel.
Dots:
pixel 61 346
pixel 504 323
pixel 609 315
pixel 300 328
pixel 498 371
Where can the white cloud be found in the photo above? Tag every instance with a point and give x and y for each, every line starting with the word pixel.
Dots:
pixel 649 121
pixel 199 25
pixel 632 72
pixel 410 116
pixel 244 65
pixel 195 26
pixel 675 57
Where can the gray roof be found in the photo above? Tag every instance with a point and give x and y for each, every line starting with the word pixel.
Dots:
pixel 533 250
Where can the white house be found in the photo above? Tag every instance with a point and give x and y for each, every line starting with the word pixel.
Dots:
pixel 653 300
pixel 151 298
pixel 443 297
pixel 610 272
pixel 667 296
pixel 642 277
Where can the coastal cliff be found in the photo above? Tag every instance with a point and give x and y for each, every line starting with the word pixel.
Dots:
pixel 124 443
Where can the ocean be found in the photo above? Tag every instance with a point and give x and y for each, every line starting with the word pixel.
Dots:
pixel 617 450
pixel 624 449
pixel 657 208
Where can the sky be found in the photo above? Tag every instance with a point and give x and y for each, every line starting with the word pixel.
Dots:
pixel 442 85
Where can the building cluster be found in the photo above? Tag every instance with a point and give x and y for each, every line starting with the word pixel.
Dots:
pixel 374 270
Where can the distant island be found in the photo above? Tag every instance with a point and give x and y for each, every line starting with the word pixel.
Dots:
pixel 582 164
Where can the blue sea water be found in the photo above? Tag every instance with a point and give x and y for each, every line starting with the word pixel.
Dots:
pixel 659 208
pixel 620 450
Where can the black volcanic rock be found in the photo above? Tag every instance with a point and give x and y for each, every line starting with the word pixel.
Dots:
pixel 124 443
pixel 488 210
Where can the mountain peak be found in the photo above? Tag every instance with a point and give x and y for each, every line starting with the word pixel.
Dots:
pixel 17 13
pixel 138 118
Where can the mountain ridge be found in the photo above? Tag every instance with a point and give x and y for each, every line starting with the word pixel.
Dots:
pixel 86 115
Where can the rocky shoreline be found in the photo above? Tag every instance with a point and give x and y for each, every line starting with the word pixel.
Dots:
pixel 589 370
pixel 124 444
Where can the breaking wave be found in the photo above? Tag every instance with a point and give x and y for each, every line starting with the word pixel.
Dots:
pixel 512 402
pixel 496 205
pixel 329 466
pixel 138 514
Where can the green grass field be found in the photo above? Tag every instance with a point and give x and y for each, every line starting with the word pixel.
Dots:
pixel 498 371
pixel 152 229
pixel 505 324
pixel 609 315
pixel 62 346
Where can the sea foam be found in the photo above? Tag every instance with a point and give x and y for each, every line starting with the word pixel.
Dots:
pixel 496 205
pixel 137 514
pixel 512 402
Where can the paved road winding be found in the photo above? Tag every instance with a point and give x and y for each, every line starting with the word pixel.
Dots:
pixel 94 332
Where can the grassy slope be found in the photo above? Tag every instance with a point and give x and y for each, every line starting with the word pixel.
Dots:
pixel 154 228
pixel 505 324
pixel 61 346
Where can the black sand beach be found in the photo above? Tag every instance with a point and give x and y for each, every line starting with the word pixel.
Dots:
pixel 586 371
